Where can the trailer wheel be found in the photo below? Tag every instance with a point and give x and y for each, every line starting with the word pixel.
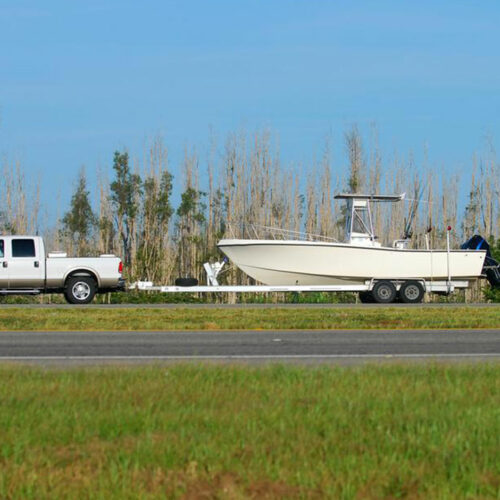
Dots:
pixel 384 292
pixel 411 292
pixel 366 298
pixel 80 289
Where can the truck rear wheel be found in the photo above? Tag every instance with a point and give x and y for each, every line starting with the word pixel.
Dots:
pixel 80 289
pixel 411 292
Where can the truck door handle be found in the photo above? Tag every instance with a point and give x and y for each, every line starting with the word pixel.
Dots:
pixel 5 264
pixel 37 264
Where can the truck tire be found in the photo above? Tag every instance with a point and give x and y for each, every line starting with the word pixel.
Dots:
pixel 80 289
pixel 411 292
pixel 384 292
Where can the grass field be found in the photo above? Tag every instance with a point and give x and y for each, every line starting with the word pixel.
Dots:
pixel 234 319
pixel 187 431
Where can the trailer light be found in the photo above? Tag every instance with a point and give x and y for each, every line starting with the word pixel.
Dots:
pixel 120 267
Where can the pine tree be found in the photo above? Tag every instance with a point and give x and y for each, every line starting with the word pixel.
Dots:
pixel 191 219
pixel 80 221
pixel 124 194
pixel 356 163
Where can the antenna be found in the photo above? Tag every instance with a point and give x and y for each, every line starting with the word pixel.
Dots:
pixel 412 210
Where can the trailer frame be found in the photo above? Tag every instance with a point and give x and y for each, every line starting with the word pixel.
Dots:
pixel 429 286
pixel 212 270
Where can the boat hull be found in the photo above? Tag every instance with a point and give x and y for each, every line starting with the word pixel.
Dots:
pixel 275 262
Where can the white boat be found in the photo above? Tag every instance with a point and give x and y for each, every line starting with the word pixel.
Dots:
pixel 356 260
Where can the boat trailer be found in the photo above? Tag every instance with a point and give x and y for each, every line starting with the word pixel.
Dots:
pixel 410 290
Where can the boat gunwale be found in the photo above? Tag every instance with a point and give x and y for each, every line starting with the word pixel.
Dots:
pixel 241 243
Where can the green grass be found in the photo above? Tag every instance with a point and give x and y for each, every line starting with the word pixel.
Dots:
pixel 241 318
pixel 427 431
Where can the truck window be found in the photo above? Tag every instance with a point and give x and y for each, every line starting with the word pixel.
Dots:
pixel 23 248
pixel 2 254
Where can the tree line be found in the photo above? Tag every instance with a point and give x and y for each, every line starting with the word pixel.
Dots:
pixel 242 187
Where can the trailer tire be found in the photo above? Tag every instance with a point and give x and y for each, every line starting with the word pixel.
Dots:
pixel 366 298
pixel 80 289
pixel 411 292
pixel 186 282
pixel 384 292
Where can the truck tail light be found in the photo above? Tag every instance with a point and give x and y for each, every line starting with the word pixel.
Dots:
pixel 120 267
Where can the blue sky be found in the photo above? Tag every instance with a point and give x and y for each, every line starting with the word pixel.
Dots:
pixel 79 80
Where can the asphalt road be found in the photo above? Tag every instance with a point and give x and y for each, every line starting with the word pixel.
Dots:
pixel 338 346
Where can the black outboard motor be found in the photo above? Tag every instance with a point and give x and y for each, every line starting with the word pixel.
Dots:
pixel 490 267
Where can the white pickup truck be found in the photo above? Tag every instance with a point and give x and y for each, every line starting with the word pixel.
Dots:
pixel 26 269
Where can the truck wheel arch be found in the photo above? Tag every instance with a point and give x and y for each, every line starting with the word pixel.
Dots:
pixel 82 272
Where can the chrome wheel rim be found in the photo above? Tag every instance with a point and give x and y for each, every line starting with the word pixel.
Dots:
pixel 81 290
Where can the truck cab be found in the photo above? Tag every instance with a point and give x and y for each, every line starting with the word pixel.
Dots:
pixel 20 264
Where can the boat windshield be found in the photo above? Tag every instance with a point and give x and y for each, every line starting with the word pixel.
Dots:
pixel 361 221
pixel 359 226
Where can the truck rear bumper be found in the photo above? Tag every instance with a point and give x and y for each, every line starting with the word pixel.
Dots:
pixel 119 287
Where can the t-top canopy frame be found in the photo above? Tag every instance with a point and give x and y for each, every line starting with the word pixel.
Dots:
pixel 370 197
pixel 359 222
